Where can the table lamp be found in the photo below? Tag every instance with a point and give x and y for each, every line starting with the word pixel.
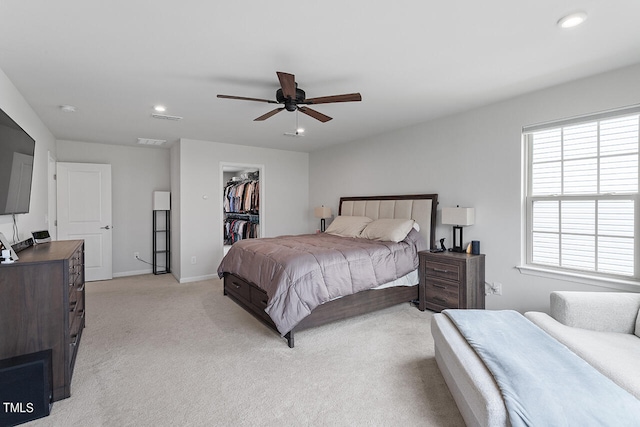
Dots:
pixel 322 212
pixel 458 217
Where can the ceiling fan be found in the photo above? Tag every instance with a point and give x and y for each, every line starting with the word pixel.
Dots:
pixel 292 97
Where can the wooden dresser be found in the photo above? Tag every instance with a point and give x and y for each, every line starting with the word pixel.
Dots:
pixel 451 280
pixel 42 306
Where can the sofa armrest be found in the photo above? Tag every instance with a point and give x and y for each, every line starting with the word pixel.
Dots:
pixel 597 311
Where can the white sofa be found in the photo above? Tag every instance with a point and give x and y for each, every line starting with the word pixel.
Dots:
pixel 601 327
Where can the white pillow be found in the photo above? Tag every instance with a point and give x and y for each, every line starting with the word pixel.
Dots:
pixel 388 230
pixel 348 226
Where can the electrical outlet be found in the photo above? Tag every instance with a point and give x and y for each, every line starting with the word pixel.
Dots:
pixel 496 288
pixel 193 260
pixel 136 255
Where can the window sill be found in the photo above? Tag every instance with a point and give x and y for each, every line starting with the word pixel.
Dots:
pixel 617 284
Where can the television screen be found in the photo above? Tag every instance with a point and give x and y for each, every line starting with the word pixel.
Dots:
pixel 16 166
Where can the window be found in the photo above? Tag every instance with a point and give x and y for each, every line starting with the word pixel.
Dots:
pixel 582 194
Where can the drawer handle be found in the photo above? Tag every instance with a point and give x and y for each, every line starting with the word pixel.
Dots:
pixel 75 340
pixel 81 288
pixel 82 314
pixel 439 286
pixel 72 307
pixel 440 299
pixel 440 270
pixel 236 285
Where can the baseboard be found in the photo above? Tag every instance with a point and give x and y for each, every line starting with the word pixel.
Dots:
pixel 132 273
pixel 197 278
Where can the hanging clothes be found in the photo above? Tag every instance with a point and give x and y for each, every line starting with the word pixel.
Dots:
pixel 241 208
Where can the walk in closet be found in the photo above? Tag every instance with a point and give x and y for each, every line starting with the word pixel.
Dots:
pixel 241 204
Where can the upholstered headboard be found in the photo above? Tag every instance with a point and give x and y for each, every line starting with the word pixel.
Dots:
pixel 419 207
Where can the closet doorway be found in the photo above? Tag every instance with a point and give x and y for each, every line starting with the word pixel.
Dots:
pixel 242 202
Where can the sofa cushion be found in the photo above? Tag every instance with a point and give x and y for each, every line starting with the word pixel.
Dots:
pixel 614 354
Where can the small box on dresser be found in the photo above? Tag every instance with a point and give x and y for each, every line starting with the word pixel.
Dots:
pixel 451 280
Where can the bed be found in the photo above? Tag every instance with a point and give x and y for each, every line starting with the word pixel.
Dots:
pixel 270 278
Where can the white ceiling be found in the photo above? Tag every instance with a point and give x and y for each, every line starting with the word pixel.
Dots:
pixel 411 60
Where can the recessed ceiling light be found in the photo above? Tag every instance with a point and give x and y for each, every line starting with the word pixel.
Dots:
pixel 572 20
pixel 160 108
pixel 68 108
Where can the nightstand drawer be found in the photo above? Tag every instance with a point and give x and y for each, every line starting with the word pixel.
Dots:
pixel 442 286
pixel 443 270
pixel 444 296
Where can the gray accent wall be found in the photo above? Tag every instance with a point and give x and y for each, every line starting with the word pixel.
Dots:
pixel 473 159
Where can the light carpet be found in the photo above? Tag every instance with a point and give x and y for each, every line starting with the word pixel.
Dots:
pixel 158 353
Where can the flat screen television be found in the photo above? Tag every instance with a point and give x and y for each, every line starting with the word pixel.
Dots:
pixel 16 167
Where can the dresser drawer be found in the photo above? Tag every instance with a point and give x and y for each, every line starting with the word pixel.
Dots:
pixel 76 310
pixel 443 270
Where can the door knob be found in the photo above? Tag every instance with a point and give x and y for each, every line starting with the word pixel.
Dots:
pixel 106 227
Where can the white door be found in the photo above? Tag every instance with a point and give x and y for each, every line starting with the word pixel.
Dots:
pixel 84 212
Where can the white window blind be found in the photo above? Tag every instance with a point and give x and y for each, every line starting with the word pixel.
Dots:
pixel 582 194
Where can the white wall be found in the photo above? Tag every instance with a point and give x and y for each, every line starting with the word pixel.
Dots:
pixel 284 187
pixel 472 159
pixel 16 107
pixel 136 172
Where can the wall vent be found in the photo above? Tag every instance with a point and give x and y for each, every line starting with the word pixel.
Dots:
pixel 148 141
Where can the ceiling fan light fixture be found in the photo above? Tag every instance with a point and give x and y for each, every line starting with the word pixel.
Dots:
pixel 290 97
pixel 572 20
pixel 159 108
pixel 294 134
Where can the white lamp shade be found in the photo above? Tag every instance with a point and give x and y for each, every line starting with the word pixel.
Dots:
pixel 161 201
pixel 458 216
pixel 322 212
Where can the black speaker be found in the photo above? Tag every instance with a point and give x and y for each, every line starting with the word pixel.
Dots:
pixel 26 388
pixel 475 247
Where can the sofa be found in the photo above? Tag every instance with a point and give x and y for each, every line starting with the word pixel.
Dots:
pixel 603 328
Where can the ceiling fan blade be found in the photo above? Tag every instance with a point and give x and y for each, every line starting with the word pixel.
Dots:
pixel 288 84
pixel 315 114
pixel 269 114
pixel 242 98
pixel 348 97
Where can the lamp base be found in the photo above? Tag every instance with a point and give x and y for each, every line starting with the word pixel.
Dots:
pixel 457 239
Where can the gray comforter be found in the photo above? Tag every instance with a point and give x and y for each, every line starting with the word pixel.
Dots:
pixel 301 272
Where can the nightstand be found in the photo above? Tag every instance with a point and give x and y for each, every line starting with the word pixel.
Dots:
pixel 451 280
